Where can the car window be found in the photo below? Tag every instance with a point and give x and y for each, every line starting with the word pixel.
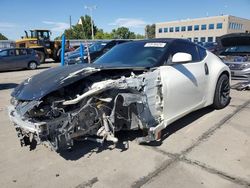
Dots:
pixel 29 51
pixel 12 52
pixel 202 52
pixel 21 52
pixel 98 46
pixel 185 48
pixel 4 53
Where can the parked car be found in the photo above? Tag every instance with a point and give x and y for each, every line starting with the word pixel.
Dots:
pixel 236 53
pixel 146 84
pixel 95 50
pixel 77 50
pixel 18 58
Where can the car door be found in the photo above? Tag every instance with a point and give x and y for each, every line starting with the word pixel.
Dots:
pixel 184 84
pixel 10 59
pixel 3 60
pixel 13 59
pixel 21 58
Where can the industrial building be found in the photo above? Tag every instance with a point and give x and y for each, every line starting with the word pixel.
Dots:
pixel 202 29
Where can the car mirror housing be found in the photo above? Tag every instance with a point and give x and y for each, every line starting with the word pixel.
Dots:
pixel 181 57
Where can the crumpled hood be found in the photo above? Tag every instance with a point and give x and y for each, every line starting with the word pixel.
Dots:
pixel 37 86
pixel 235 39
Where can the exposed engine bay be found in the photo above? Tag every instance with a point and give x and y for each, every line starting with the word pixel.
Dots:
pixel 93 108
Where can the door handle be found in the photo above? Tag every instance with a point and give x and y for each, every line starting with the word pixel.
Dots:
pixel 206 69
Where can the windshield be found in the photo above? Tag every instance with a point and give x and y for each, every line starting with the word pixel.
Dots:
pixel 98 46
pixel 139 53
pixel 241 49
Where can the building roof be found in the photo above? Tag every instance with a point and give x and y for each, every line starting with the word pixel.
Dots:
pixel 198 19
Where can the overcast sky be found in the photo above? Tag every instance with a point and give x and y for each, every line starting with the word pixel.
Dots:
pixel 19 15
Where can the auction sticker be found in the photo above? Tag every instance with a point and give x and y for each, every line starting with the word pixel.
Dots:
pixel 155 44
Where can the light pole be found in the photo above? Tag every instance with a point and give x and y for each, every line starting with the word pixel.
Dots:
pixel 91 8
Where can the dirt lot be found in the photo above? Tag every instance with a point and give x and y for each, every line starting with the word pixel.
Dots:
pixel 207 148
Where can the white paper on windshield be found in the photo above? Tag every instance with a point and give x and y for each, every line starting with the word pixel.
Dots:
pixel 155 44
pixel 103 44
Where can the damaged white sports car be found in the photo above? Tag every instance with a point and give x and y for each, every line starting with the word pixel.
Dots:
pixel 144 85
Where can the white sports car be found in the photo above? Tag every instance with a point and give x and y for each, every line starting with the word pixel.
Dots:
pixel 145 84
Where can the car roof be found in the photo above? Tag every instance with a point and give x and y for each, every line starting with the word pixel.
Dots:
pixel 13 48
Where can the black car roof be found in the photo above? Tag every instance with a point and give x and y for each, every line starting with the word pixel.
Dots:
pixel 167 40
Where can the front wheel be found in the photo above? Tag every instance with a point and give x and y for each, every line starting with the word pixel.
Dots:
pixel 222 93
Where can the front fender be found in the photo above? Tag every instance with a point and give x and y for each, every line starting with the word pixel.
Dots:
pixel 216 69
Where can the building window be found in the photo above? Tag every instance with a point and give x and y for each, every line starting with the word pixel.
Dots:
pixel 233 26
pixel 211 26
pixel 219 26
pixel 160 30
pixel 196 27
pixel 196 39
pixel 165 30
pixel 171 29
pixel 210 39
pixel 177 29
pixel 204 27
pixel 203 39
pixel 183 28
pixel 241 26
pixel 190 39
pixel 190 28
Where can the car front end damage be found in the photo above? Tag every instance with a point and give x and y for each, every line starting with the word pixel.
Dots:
pixel 94 107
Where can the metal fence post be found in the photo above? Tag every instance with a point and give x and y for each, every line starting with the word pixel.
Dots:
pixel 63 50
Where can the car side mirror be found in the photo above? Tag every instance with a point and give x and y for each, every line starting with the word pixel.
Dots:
pixel 181 57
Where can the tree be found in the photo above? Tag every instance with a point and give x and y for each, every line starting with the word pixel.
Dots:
pixel 100 34
pixel 150 31
pixel 2 37
pixel 82 30
pixel 123 33
pixel 139 36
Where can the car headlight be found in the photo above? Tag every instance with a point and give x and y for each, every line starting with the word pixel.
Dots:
pixel 245 66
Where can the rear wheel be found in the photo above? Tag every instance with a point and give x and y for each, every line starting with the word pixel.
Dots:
pixel 41 56
pixel 32 65
pixel 222 92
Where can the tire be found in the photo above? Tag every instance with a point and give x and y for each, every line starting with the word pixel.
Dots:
pixel 32 65
pixel 222 93
pixel 41 56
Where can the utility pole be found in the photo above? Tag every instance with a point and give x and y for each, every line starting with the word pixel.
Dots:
pixel 91 8
pixel 70 22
